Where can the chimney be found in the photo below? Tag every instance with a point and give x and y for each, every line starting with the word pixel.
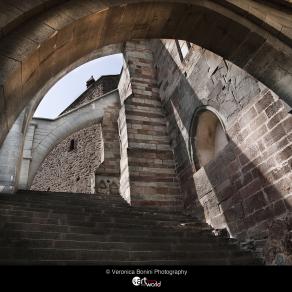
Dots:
pixel 90 81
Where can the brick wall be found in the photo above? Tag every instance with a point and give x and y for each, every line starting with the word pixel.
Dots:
pixel 72 171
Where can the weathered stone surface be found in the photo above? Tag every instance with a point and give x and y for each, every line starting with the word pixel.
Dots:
pixel 89 153
pixel 278 247
pixel 221 30
pixel 66 170
pixel 249 178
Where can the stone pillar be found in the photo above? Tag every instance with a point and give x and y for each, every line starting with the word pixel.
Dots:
pixel 27 157
pixel 147 164
pixel 107 176
pixel 10 156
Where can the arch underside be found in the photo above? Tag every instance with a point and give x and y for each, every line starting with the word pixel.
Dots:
pixel 45 45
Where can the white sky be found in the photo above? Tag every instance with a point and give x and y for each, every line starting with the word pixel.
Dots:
pixel 67 89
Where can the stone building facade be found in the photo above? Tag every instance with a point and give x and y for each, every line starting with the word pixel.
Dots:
pixel 246 188
pixel 179 103
pixel 95 89
pixel 72 164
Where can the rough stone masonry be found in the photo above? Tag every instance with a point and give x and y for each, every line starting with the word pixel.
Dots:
pixel 246 188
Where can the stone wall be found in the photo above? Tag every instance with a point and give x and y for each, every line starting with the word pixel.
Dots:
pixel 47 133
pixel 148 176
pixel 107 176
pixel 248 185
pixel 75 171
pixel 10 152
pixel 66 170
pixel 100 87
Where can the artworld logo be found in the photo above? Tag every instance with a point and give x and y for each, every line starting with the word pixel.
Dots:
pixel 144 282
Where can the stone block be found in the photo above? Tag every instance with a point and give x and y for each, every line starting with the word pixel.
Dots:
pixel 277 119
pixel 254 203
pixel 202 183
pixel 235 213
pixel 264 102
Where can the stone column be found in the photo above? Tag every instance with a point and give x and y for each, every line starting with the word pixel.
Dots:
pixel 27 157
pixel 107 176
pixel 10 156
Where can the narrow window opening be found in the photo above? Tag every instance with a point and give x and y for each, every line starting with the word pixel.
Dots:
pixel 183 48
pixel 72 145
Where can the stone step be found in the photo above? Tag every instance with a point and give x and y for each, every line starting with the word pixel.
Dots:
pixel 80 254
pixel 204 238
pixel 113 217
pixel 132 211
pixel 143 161
pixel 242 261
pixel 157 184
pixel 146 170
pixel 142 108
pixel 104 245
pixel 104 227
pixel 94 221
pixel 62 197
pixel 152 96
pixel 170 205
pixel 152 179
pixel 147 130
pixel 160 193
pixel 151 154
pixel 140 145
pixel 133 118
pixel 144 114
pixel 157 106
pixel 84 197
pixel 148 138
pixel 60 208
pixel 17 205
pixel 57 204
pixel 61 229
pixel 154 102
pixel 133 123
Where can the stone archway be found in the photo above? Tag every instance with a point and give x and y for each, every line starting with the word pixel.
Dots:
pixel 44 45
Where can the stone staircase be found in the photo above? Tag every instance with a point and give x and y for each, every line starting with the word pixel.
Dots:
pixel 60 229
pixel 151 163
pixel 147 153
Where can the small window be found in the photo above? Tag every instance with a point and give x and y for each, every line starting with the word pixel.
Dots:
pixel 183 48
pixel 72 145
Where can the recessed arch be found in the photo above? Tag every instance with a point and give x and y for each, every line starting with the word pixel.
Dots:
pixel 207 136
pixel 28 61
